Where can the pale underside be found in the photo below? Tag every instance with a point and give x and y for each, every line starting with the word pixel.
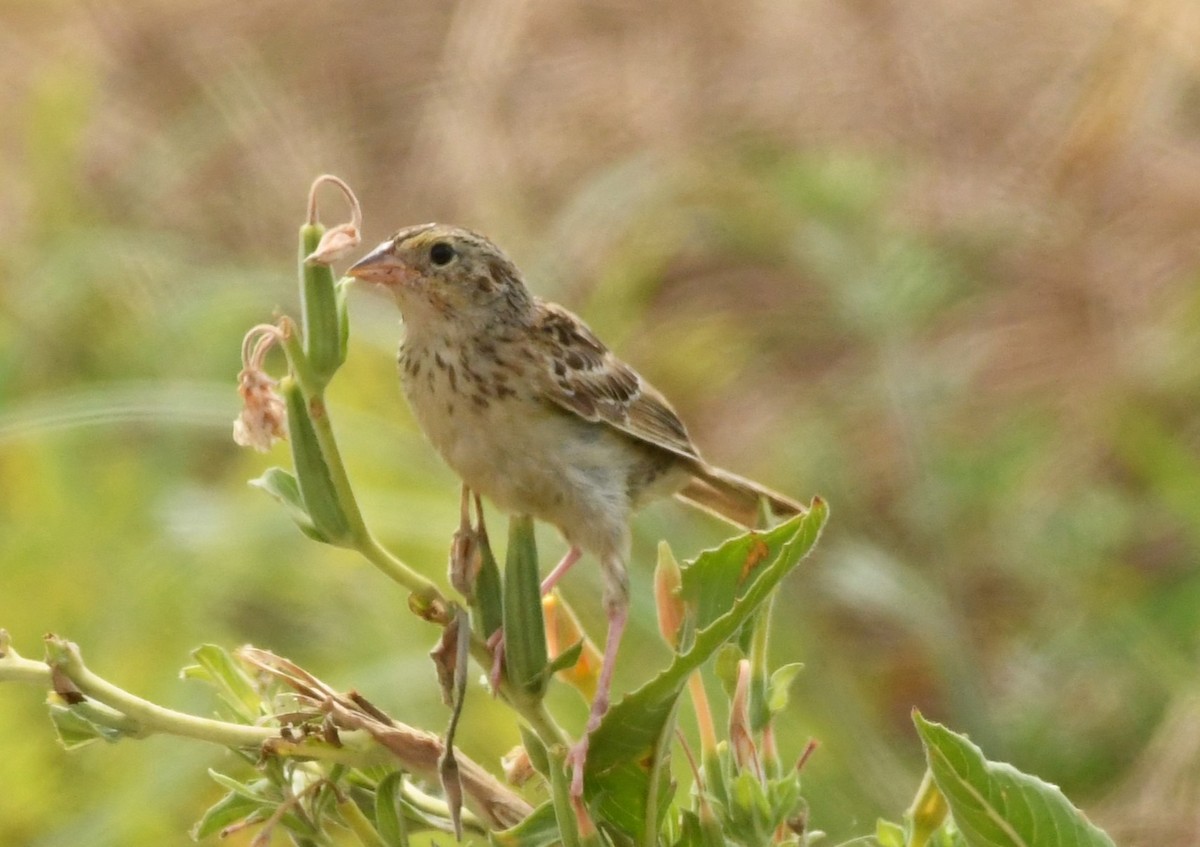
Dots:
pixel 530 455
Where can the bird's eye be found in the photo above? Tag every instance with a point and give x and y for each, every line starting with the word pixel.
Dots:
pixel 441 253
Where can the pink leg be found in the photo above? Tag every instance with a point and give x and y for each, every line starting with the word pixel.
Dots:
pixel 560 570
pixel 618 614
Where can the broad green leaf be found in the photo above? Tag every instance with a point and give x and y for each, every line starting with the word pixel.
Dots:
pixel 83 723
pixel 260 791
pixel 216 667
pixel 535 750
pixel 626 778
pixel 889 834
pixel 717 577
pixel 282 486
pixel 695 831
pixel 566 659
pixel 781 682
pixel 995 805
pixel 540 829
pixel 230 809
pixel 388 820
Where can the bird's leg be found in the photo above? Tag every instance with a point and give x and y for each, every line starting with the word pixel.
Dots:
pixel 560 570
pixel 616 607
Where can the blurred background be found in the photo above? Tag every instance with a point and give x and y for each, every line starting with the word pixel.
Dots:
pixel 936 261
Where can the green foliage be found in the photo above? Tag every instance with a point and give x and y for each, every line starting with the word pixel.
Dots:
pixel 995 805
pixel 626 769
pixel 1008 449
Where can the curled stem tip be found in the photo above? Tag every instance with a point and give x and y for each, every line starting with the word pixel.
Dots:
pixel 341 239
pixel 355 208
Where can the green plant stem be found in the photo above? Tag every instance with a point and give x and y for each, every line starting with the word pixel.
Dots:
pixel 435 807
pixel 568 823
pixel 427 598
pixel 112 706
pixel 15 668
pixel 66 659
pixel 532 711
pixel 359 824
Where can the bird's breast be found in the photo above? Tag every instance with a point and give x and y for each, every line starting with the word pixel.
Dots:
pixel 481 414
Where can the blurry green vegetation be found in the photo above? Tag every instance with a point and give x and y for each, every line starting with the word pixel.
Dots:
pixel 962 304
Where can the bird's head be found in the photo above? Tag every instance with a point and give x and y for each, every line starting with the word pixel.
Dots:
pixel 438 271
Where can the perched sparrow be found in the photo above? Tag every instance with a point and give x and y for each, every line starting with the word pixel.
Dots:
pixel 535 413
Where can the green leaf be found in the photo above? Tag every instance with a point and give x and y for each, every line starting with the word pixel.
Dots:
pixel 995 805
pixel 388 820
pixel 535 750
pixel 781 681
pixel 230 809
pixel 540 829
pixel 282 486
pixel 524 628
pixel 719 576
pixel 216 667
pixel 566 659
pixel 889 834
pixel 83 723
pixel 750 819
pixel 626 778
pixel 260 791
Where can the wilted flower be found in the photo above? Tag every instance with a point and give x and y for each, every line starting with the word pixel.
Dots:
pixel 263 419
pixel 517 768
pixel 340 240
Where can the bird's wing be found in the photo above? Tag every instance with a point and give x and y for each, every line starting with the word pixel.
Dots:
pixel 579 374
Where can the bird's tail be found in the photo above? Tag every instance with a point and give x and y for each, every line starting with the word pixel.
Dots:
pixel 736 499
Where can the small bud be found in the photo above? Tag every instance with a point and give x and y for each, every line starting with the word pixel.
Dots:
pixel 445 660
pixel 335 243
pixel 671 608
pixel 518 769
pixel 741 739
pixel 466 561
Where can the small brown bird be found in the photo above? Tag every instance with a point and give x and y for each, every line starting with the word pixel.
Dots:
pixel 531 410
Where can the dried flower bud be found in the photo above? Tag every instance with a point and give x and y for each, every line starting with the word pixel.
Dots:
pixel 518 770
pixel 335 244
pixel 671 608
pixel 263 419
pixel 741 738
